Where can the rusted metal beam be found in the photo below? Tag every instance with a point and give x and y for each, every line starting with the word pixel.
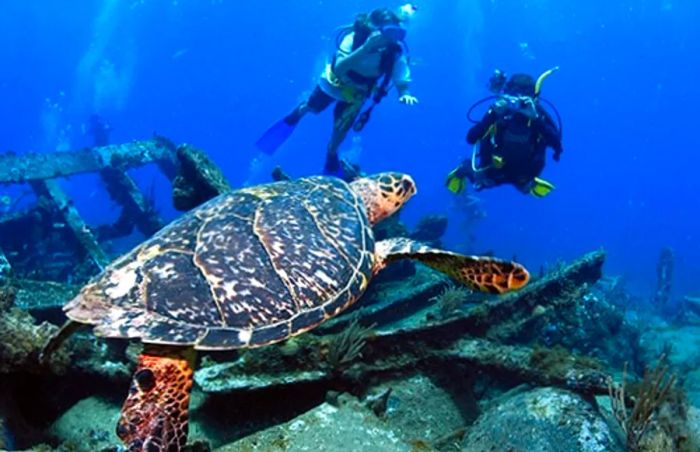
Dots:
pixel 198 179
pixel 41 296
pixel 17 168
pixel 137 209
pixel 52 192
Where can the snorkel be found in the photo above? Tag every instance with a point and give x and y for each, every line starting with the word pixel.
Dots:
pixel 538 88
pixel 542 77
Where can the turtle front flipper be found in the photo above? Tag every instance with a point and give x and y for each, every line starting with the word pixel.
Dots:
pixel 482 273
pixel 155 414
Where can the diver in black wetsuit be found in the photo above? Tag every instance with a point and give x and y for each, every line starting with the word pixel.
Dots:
pixel 99 129
pixel 513 137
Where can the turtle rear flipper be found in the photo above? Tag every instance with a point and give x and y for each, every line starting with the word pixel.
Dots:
pixel 485 274
pixel 57 339
pixel 155 413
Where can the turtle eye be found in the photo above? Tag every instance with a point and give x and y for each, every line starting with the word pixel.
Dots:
pixel 408 186
pixel 145 379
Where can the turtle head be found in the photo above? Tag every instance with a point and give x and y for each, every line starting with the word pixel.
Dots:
pixel 383 193
pixel 155 413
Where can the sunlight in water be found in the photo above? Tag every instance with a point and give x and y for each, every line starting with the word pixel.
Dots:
pixel 101 83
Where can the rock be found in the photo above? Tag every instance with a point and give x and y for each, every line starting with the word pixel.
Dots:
pixel 691 305
pixel 88 425
pixel 694 424
pixel 691 385
pixel 390 227
pixel 420 410
pixel 8 294
pixel 21 339
pixel 680 345
pixel 543 420
pixel 348 427
pixel 430 229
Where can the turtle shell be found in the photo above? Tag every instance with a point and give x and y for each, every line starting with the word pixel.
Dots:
pixel 248 268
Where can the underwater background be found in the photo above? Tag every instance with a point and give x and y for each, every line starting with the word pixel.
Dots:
pixel 420 363
pixel 217 73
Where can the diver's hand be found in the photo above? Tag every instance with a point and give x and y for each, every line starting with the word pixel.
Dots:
pixel 408 99
pixel 375 42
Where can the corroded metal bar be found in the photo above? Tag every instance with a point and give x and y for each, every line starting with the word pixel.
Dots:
pixel 137 209
pixel 52 192
pixel 35 296
pixel 17 168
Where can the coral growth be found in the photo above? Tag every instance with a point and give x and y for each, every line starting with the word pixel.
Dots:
pixel 647 397
pixel 347 345
pixel 20 342
pixel 450 299
pixel 558 360
pixel 198 179
pixel 8 293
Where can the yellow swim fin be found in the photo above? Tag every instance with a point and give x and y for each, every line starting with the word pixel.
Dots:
pixel 541 188
pixel 454 182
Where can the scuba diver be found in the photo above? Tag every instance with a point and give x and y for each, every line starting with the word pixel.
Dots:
pixel 371 55
pixel 511 138
pixel 99 129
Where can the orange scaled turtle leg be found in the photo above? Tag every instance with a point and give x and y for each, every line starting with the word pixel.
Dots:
pixel 155 413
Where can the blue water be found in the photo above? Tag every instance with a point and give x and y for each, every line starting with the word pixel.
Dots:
pixel 217 73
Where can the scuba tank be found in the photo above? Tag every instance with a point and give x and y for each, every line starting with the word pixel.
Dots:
pixel 496 84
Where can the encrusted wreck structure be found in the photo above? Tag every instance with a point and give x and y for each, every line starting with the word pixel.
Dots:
pixel 49 243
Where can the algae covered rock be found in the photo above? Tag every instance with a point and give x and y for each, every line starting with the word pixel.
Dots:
pixel 421 409
pixel 543 419
pixel 88 425
pixel 348 427
pixel 21 339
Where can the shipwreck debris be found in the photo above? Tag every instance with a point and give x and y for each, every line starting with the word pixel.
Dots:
pixel 664 278
pixel 473 338
pixel 54 227
pixel 198 179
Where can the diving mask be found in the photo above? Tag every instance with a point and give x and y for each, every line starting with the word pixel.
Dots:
pixel 395 33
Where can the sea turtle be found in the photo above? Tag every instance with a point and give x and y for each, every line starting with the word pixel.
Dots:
pixel 249 268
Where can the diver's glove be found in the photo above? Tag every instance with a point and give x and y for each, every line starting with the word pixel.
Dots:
pixel 455 181
pixel 408 99
pixel 375 42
